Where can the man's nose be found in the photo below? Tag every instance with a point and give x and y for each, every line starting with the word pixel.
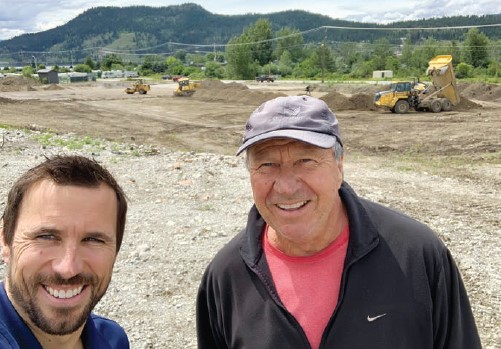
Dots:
pixel 287 181
pixel 69 262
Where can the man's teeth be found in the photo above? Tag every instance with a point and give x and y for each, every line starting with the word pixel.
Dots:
pixel 64 294
pixel 292 206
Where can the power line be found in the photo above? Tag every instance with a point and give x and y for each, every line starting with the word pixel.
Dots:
pixel 132 51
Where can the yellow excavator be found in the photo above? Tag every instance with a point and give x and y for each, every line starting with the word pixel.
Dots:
pixel 442 95
pixel 186 87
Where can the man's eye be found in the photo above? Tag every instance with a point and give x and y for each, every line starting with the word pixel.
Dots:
pixel 46 237
pixel 92 239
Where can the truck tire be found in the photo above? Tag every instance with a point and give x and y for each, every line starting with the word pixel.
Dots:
pixel 401 107
pixel 446 104
pixel 436 106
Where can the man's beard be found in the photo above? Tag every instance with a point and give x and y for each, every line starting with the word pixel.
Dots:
pixel 64 321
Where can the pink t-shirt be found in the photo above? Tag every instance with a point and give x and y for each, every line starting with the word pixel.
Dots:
pixel 309 286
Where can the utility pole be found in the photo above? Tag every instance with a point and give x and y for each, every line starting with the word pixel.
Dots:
pixel 323 61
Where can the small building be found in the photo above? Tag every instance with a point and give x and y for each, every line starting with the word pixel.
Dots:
pixel 48 76
pixel 381 74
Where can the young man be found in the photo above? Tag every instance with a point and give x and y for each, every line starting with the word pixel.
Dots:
pixel 62 229
pixel 319 267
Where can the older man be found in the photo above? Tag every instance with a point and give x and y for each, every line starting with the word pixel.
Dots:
pixel 319 267
pixel 62 229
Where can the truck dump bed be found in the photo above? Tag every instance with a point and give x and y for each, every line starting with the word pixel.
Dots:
pixel 443 79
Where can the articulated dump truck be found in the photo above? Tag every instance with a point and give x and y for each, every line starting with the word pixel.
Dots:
pixel 441 95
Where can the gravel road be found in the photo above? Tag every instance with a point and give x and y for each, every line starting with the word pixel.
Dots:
pixel 185 206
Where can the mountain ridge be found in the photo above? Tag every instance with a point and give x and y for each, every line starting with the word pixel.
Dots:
pixel 135 28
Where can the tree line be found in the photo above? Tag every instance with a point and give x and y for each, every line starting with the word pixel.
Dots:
pixel 259 50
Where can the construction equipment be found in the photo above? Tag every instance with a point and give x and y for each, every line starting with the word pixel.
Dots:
pixel 138 86
pixel 185 87
pixel 442 95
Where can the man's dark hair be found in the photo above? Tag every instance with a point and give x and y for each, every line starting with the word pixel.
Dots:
pixel 63 170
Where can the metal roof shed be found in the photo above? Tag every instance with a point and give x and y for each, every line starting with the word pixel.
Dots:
pixel 48 76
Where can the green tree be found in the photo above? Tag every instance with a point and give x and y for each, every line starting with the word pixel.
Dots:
pixel 476 52
pixel 323 57
pixel 153 63
pixel 260 35
pixel 181 55
pixel 28 71
pixel 111 60
pixel 290 40
pixel 82 68
pixel 307 68
pixel 463 70
pixel 174 66
pixel 89 62
pixel 347 54
pixel 240 62
pixel 285 63
pixel 382 51
pixel 214 70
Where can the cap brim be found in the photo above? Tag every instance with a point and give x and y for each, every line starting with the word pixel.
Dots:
pixel 321 140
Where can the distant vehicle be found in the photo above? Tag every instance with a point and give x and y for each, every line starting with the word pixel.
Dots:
pixel 138 86
pixel 177 77
pixel 441 96
pixel 166 77
pixel 186 87
pixel 112 74
pixel 265 78
pixel 131 74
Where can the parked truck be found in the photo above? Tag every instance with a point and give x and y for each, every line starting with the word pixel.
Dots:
pixel 441 95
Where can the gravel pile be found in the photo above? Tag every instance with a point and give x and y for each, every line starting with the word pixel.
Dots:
pixel 185 206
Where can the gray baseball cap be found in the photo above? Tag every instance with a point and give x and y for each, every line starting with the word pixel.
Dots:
pixel 303 118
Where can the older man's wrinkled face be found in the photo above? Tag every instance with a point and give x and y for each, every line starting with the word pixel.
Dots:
pixel 62 255
pixel 295 187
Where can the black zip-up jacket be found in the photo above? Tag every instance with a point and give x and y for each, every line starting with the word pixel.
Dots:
pixel 400 289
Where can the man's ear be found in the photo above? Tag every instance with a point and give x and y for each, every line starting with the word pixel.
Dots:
pixel 4 246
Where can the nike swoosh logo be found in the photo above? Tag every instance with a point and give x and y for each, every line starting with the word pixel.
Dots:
pixel 372 318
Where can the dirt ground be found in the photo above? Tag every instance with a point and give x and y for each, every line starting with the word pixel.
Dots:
pixel 212 119
pixel 102 109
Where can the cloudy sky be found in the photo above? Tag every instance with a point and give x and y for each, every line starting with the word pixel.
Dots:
pixel 30 16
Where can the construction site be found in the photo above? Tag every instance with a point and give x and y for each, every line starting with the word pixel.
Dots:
pixel 189 194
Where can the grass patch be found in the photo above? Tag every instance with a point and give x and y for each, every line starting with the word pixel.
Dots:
pixel 5 126
pixel 73 143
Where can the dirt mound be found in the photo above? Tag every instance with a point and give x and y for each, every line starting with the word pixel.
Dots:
pixel 480 91
pixel 363 101
pixel 215 90
pixel 6 100
pixel 338 101
pixel 466 104
pixel 53 87
pixel 17 83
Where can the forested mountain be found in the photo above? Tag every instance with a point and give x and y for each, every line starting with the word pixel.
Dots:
pixel 144 29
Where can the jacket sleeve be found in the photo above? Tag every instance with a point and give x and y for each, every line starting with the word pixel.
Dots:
pixel 454 325
pixel 206 316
